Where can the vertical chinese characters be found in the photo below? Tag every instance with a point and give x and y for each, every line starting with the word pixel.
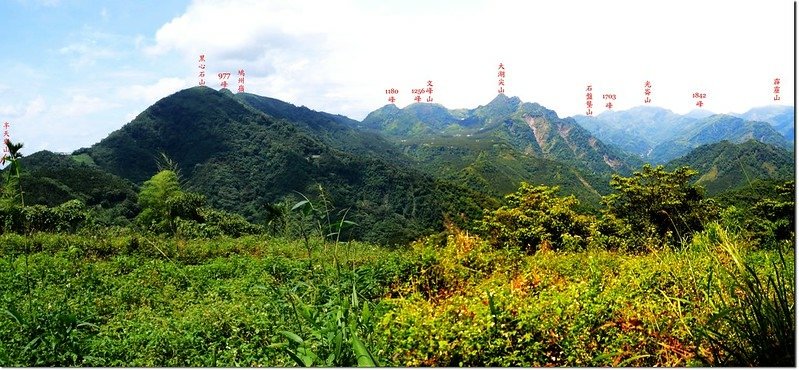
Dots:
pixel 647 92
pixel 201 65
pixel 223 77
pixel 609 99
pixel 429 91
pixel 776 89
pixel 589 96
pixel 6 138
pixel 699 99
pixel 418 93
pixel 241 80
pixel 391 92
pixel 501 79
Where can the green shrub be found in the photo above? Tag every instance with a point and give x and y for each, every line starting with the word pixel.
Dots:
pixel 657 205
pixel 67 217
pixel 536 218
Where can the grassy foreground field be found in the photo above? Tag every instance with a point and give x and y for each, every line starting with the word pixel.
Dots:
pixel 118 298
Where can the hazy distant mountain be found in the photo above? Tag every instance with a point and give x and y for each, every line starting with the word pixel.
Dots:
pixel 699 114
pixel 725 165
pixel 658 135
pixel 779 116
pixel 637 130
pixel 714 129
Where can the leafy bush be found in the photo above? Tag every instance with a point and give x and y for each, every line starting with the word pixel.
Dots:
pixel 66 217
pixel 657 204
pixel 768 221
pixel 153 199
pixel 535 218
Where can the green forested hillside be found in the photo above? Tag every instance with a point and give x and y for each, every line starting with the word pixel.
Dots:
pixel 493 147
pixel 244 160
pixel 724 165
pixel 51 179
pixel 493 166
pixel 336 131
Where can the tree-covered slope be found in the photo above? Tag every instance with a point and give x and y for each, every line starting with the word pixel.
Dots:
pixel 493 147
pixel 334 130
pixel 724 165
pixel 243 159
pixel 52 179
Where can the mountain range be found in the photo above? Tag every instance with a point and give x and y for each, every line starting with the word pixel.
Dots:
pixel 244 159
pixel 401 172
pixel 658 135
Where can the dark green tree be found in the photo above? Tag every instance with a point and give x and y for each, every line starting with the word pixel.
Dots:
pixel 657 204
pixel 534 218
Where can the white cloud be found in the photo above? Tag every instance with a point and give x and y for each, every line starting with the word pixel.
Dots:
pixel 81 105
pixel 8 111
pixel 86 54
pixel 336 55
pixel 35 107
pixel 91 46
pixel 153 92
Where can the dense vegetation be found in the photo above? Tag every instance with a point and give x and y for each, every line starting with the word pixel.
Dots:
pixel 657 278
pixel 724 165
pixel 222 230
pixel 251 155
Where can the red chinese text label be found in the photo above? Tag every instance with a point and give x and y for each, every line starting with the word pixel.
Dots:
pixel 501 79
pixel 699 96
pixel 201 66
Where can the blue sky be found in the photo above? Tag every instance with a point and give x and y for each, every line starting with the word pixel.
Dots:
pixel 77 70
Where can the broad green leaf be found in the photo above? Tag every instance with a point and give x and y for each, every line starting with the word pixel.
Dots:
pixel 299 204
pixel 363 355
pixel 292 337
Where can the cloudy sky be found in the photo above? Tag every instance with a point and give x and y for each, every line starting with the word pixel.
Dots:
pixel 76 70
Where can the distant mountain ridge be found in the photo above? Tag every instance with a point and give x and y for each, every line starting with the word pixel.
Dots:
pixel 401 171
pixel 658 135
pixel 529 127
pixel 779 116
pixel 493 147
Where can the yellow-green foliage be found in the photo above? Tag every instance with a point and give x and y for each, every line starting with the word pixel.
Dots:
pixel 120 298
pixel 592 308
